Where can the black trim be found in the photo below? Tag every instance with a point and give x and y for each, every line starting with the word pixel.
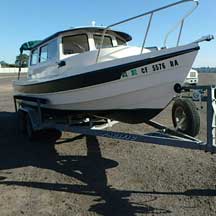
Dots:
pixel 124 35
pixel 93 77
pixel 31 99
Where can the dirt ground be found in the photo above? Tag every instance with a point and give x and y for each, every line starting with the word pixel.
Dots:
pixel 83 176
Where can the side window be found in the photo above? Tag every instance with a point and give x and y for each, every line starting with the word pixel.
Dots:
pixel 43 54
pixel 75 44
pixel 107 42
pixel 34 57
pixel 48 52
pixel 52 49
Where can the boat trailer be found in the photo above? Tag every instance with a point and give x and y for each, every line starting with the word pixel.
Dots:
pixel 162 136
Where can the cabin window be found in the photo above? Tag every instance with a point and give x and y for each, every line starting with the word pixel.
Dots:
pixel 52 49
pixel 48 52
pixel 107 42
pixel 75 44
pixel 34 57
pixel 120 42
pixel 43 54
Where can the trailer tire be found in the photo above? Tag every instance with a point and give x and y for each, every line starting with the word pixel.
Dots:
pixel 185 117
pixel 21 115
pixel 29 129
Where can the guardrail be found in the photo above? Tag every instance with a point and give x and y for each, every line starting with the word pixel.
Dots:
pixel 151 13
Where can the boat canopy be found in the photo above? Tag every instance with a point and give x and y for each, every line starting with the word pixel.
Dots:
pixel 34 44
pixel 29 45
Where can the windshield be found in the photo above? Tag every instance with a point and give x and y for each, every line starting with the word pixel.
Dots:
pixel 120 42
pixel 75 44
pixel 107 42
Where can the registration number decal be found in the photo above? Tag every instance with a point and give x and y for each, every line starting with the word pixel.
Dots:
pixel 145 70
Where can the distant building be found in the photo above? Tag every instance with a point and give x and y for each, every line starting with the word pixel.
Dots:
pixel 12 69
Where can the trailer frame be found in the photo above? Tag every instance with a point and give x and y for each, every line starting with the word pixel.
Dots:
pixel 163 136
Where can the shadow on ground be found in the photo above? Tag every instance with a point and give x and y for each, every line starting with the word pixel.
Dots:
pixel 17 151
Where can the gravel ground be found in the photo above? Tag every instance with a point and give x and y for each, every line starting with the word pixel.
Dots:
pixel 83 176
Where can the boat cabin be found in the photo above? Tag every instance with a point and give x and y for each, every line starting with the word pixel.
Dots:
pixel 56 50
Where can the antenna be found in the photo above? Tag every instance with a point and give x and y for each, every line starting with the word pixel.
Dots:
pixel 93 23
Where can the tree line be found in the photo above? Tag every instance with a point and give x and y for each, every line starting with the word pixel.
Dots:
pixel 21 60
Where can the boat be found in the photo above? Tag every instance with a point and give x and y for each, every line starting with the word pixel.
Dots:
pixel 93 72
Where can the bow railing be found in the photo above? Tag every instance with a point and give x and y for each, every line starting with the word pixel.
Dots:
pixel 151 14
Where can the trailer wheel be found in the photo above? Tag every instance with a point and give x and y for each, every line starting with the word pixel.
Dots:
pixel 29 129
pixel 21 115
pixel 185 117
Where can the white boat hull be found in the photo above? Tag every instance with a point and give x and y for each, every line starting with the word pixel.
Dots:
pixel 145 88
pixel 153 90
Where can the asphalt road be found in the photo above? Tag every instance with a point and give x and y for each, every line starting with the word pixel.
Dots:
pixel 83 176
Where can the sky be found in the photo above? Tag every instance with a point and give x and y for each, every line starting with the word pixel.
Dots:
pixel 25 20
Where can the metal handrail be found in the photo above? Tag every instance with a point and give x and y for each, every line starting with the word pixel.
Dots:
pixel 151 13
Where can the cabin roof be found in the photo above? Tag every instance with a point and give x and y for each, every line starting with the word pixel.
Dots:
pixel 126 36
